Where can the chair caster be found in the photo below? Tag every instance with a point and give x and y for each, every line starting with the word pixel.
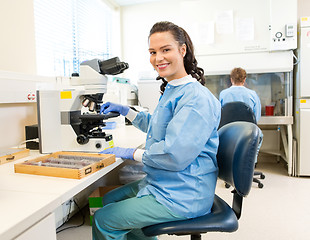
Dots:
pixel 227 185
pixel 262 176
pixel 260 185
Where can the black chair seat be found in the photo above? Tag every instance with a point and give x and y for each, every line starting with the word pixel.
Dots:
pixel 221 219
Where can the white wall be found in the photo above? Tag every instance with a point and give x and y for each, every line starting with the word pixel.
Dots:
pixel 303 8
pixel 14 118
pixel 17 42
pixel 137 21
pixel 17 48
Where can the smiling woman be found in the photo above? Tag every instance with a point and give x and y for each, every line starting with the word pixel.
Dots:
pixel 173 41
pixel 180 151
pixel 166 56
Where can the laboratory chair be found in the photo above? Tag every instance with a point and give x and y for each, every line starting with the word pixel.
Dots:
pixel 238 144
pixel 240 111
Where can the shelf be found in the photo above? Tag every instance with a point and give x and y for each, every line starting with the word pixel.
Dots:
pixel 278 153
pixel 276 120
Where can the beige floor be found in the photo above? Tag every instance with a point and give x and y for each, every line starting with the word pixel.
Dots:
pixel 281 210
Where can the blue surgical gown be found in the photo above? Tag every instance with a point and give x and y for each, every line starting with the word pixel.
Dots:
pixel 242 94
pixel 181 147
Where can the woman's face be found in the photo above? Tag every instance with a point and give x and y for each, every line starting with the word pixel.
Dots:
pixel 166 56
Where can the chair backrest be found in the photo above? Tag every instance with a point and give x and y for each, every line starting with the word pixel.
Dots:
pixel 238 142
pixel 236 111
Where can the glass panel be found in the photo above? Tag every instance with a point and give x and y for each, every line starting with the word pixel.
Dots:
pixel 272 88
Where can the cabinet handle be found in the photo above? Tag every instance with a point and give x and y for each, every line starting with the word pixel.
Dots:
pixel 10 158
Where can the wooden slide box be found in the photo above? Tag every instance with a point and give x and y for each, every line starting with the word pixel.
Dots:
pixel 12 154
pixel 26 167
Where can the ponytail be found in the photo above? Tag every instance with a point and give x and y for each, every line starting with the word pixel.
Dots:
pixel 163 85
pixel 190 62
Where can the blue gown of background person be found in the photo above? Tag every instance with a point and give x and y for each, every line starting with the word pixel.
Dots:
pixel 248 96
pixel 242 94
pixel 179 162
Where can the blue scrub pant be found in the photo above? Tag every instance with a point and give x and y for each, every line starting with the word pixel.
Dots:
pixel 124 214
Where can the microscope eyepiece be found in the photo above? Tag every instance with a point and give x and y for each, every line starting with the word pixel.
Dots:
pixel 112 66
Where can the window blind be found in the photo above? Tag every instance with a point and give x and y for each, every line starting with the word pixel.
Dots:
pixel 68 32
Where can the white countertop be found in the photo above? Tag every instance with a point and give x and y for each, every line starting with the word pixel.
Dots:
pixel 276 120
pixel 25 199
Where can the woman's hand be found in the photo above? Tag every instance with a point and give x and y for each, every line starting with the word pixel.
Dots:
pixel 126 153
pixel 114 107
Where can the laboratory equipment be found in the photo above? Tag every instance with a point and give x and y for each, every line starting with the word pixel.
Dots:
pixel 68 116
pixel 283 37
pixel 273 88
pixel 149 93
pixel 302 98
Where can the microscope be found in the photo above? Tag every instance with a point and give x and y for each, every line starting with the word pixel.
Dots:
pixel 68 116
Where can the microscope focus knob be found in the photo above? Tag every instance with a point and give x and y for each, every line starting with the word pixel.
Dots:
pixel 82 139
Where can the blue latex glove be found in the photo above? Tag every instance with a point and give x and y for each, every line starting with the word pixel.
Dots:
pixel 114 107
pixel 126 153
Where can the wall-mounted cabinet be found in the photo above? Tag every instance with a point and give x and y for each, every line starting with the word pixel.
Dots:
pixel 21 88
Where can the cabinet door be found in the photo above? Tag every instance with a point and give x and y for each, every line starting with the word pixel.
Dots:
pixel 304 140
pixel 304 62
pixel 44 229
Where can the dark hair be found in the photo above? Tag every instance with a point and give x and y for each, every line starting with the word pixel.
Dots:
pixel 238 75
pixel 181 36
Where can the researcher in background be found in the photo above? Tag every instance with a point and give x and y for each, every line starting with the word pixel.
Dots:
pixel 238 92
pixel 181 145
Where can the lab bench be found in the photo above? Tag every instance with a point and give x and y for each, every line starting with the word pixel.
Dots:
pixel 285 126
pixel 28 201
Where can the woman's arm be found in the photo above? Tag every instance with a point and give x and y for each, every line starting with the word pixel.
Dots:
pixel 186 136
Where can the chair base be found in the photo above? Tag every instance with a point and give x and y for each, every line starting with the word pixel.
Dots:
pixel 260 176
pixel 256 180
pixel 260 185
